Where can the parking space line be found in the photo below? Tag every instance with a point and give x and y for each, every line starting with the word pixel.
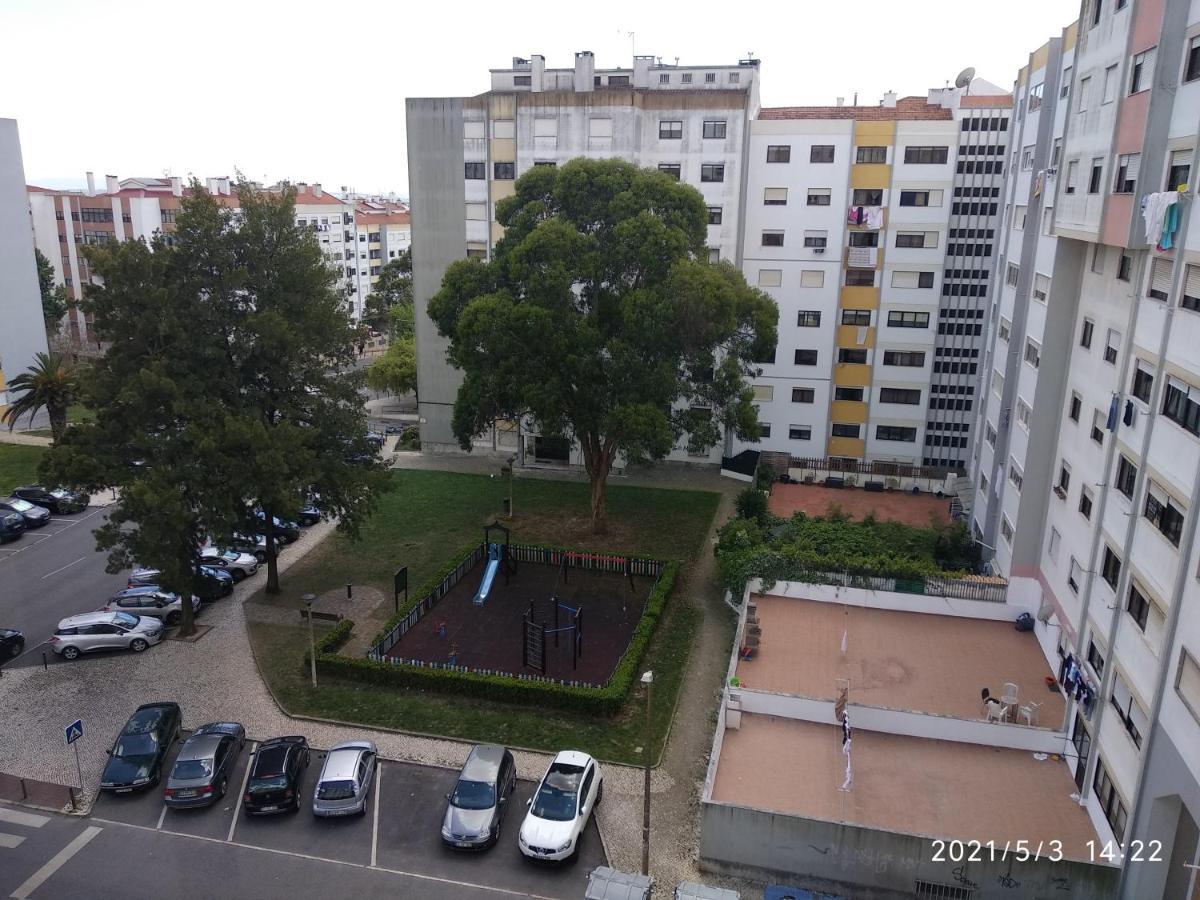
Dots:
pixel 9 841
pixel 63 568
pixel 375 817
pixel 16 817
pixel 162 815
pixel 337 862
pixel 237 807
pixel 60 859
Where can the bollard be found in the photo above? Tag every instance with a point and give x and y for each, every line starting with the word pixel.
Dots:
pixel 44 660
pixel 349 591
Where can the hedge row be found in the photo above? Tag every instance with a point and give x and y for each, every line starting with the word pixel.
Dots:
pixel 607 700
pixel 426 588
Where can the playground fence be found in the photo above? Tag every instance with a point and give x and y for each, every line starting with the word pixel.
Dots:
pixel 520 553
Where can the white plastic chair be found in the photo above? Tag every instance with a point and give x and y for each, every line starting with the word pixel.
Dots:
pixel 996 712
pixel 1009 697
pixel 1029 712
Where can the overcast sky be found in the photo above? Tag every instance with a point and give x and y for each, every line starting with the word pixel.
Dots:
pixel 314 91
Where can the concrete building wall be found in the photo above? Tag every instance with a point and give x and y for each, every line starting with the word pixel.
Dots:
pixel 435 157
pixel 22 330
pixel 872 864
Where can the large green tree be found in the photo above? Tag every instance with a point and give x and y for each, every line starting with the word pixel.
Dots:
pixel 393 289
pixel 293 354
pixel 54 296
pixel 48 384
pixel 600 318
pixel 227 386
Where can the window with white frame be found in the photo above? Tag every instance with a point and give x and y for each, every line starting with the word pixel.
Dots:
pixel 812 278
pixel 1024 412
pixel 1074 575
pixel 1015 473
pixel 1033 352
pixel 1142 70
pixel 1054 543
pixel 1112 346
pixel 1006 528
pixel 1005 329
pixel 1041 287
pixel 1128 165
pixel 764 392
pixel 770 277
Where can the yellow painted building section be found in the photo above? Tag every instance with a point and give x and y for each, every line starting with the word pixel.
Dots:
pixel 851 375
pixel 852 411
pixel 874 133
pixel 870 175
pixel 847 336
pixel 859 298
pixel 1040 56
pixel 503 150
pixel 842 446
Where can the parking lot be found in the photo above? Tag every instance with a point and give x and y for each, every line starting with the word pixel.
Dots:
pixel 400 831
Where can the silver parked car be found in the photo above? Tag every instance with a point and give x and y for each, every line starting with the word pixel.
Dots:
pixel 346 778
pixel 239 565
pixel 105 631
pixel 201 772
pixel 476 806
pixel 148 600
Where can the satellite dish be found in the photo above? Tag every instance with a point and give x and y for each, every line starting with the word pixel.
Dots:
pixel 964 78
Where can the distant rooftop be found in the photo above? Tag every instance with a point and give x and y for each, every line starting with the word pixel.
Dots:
pixel 906 109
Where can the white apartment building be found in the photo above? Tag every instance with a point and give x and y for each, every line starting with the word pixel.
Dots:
pixel 137 208
pixel 22 330
pixel 465 153
pixel 385 226
pixel 1090 500
pixel 864 224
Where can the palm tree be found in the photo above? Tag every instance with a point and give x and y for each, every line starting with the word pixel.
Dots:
pixel 48 384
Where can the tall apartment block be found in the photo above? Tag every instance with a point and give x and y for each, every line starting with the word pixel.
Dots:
pixel 64 221
pixel 465 152
pixel 873 228
pixel 22 331
pixel 1086 458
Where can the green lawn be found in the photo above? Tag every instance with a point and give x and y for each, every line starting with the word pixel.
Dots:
pixel 18 465
pixel 429 516
pixel 422 523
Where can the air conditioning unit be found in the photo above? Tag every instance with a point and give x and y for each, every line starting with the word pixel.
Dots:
pixel 818 249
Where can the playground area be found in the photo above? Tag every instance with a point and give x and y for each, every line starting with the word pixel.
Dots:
pixel 531 618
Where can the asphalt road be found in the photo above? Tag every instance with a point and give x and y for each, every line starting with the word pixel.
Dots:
pixel 51 573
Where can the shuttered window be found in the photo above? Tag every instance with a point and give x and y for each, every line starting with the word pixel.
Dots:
pixel 1160 279
pixel 770 277
pixel 1191 289
pixel 1041 287
pixel 775 196
pixel 812 278
pixel 1187 682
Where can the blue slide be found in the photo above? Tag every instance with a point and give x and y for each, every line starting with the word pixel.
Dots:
pixel 489 575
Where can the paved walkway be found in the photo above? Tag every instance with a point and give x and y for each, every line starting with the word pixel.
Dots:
pixel 20 437
pixel 215 678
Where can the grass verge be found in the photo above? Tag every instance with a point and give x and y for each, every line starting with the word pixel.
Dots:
pixel 18 465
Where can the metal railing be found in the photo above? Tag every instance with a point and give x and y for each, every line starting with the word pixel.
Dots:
pixel 878 468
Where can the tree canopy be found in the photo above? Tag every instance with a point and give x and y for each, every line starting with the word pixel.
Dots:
pixel 227 385
pixel 54 296
pixel 600 319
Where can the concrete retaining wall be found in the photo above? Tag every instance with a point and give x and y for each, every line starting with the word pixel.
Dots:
pixel 870 864
pixel 916 603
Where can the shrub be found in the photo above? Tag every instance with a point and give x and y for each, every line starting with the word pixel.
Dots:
pixel 764 476
pixel 606 700
pixel 751 504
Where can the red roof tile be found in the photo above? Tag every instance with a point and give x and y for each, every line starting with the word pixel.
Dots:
pixel 906 108
pixel 972 101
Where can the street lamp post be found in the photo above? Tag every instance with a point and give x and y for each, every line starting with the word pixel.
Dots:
pixel 312 641
pixel 648 681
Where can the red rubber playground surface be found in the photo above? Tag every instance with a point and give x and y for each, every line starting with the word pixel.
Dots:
pixel 490 636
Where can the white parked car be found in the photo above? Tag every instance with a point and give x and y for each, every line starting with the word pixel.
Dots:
pixel 239 565
pixel 561 806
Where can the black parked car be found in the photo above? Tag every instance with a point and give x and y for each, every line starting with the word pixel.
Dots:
pixel 59 501
pixel 136 759
pixel 212 584
pixel 275 772
pixel 285 532
pixel 35 516
pixel 12 526
pixel 310 511
pixel 12 644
